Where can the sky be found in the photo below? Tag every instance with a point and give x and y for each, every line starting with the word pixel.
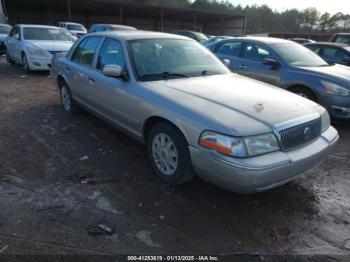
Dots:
pixel 330 6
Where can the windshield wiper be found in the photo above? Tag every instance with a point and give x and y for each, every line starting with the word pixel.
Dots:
pixel 164 75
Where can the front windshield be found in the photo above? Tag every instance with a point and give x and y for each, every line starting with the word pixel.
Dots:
pixel 75 27
pixel 298 55
pixel 342 39
pixel 5 30
pixel 156 59
pixel 46 34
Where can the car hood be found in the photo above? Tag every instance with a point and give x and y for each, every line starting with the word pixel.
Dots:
pixel 240 105
pixel 339 71
pixel 59 46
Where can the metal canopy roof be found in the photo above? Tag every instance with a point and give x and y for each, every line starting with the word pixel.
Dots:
pixel 111 7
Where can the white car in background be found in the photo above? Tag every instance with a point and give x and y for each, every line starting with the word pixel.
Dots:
pixel 33 46
pixel 76 29
pixel 4 31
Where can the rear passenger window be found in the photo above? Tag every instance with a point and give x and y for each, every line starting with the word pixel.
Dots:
pixel 314 48
pixel 230 49
pixel 84 53
pixel 335 54
pixel 111 54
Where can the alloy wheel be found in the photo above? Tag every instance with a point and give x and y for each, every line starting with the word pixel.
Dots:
pixel 165 154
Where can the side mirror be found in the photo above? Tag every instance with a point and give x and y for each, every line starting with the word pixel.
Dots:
pixel 270 62
pixel 112 71
pixel 226 62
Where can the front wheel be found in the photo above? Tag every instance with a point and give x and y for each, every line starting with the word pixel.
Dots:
pixel 301 91
pixel 25 63
pixel 67 101
pixel 169 154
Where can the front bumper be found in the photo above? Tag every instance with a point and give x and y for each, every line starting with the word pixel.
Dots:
pixel 338 106
pixel 261 173
pixel 39 64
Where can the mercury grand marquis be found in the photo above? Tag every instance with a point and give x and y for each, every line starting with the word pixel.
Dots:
pixel 194 115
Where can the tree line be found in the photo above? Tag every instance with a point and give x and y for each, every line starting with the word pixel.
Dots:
pixel 262 18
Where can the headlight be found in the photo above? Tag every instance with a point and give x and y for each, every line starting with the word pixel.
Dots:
pixel 334 89
pixel 37 52
pixel 239 146
pixel 326 120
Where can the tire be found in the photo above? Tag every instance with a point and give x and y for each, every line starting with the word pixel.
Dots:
pixel 304 92
pixel 25 64
pixel 9 59
pixel 169 155
pixel 67 102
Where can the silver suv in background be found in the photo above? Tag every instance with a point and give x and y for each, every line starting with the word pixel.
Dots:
pixel 172 94
pixel 291 66
pixel 76 29
pixel 109 27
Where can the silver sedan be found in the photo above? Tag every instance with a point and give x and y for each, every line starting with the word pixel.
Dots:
pixel 195 117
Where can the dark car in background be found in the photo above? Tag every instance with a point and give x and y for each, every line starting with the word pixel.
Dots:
pixel 214 39
pixel 341 38
pixel 291 66
pixel 333 53
pixel 4 31
pixel 302 40
pixel 109 27
pixel 199 37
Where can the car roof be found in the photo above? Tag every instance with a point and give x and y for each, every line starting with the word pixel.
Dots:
pixel 139 34
pixel 346 34
pixel 114 25
pixel 68 23
pixel 264 40
pixel 328 44
pixel 38 26
pixel 183 30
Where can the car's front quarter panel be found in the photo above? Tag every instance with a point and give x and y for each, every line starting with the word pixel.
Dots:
pixel 313 81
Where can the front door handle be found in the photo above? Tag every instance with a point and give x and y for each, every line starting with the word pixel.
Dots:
pixel 242 67
pixel 91 80
pixel 68 69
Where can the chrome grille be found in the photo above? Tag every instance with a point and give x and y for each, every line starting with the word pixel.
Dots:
pixel 299 135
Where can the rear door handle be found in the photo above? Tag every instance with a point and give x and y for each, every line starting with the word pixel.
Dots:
pixel 68 69
pixel 242 67
pixel 91 80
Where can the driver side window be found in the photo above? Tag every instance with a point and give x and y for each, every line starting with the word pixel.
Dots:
pixel 111 54
pixel 255 52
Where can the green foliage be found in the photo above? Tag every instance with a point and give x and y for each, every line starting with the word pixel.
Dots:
pixel 262 19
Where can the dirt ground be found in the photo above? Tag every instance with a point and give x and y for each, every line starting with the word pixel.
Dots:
pixel 59 174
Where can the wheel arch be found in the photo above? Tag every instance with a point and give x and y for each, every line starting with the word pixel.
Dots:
pixel 61 80
pixel 302 85
pixel 156 119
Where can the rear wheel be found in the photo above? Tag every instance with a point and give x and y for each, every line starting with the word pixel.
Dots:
pixel 304 92
pixel 169 154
